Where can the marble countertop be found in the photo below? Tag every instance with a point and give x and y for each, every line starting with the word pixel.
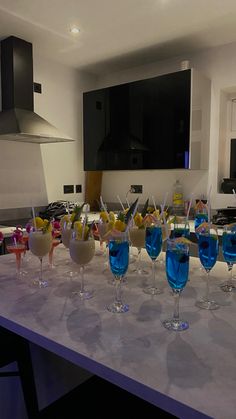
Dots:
pixel 189 374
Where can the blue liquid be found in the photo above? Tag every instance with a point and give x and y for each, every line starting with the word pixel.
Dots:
pixel 208 248
pixel 199 219
pixel 153 241
pixel 177 267
pixel 229 247
pixel 118 257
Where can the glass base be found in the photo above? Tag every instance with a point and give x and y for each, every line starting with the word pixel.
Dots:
pixel 207 304
pixel 84 295
pixel 152 290
pixel 176 325
pixel 228 287
pixel 118 307
pixel 71 274
pixel 40 284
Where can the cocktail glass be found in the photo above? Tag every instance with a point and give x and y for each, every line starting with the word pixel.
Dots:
pixel 181 228
pixel 177 268
pixel 137 238
pixel 153 244
pixel 18 249
pixel 229 254
pixel 119 261
pixel 40 244
pixel 208 248
pixel 82 252
pixel 55 243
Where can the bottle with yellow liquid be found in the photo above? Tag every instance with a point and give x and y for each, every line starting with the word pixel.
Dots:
pixel 178 198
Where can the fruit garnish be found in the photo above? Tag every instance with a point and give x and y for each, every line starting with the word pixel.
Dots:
pixel 104 216
pixel 120 226
pixel 75 216
pixel 138 220
pixel 38 222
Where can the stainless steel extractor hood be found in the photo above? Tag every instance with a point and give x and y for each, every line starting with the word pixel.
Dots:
pixel 18 121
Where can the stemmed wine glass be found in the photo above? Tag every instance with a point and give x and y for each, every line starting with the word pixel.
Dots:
pixel 18 248
pixel 208 248
pixel 229 254
pixel 119 260
pixel 40 243
pixel 153 244
pixel 82 252
pixel 177 268
pixel 137 238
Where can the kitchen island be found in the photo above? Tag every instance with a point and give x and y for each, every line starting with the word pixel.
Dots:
pixel 190 374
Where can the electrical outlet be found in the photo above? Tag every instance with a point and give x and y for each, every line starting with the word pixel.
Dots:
pixel 68 188
pixel 136 188
pixel 78 188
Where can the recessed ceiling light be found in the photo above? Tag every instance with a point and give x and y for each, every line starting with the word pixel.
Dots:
pixel 75 30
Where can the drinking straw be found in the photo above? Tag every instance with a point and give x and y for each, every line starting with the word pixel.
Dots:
pixel 122 206
pixel 132 216
pixel 84 221
pixel 33 213
pixel 68 207
pixel 127 202
pixel 164 219
pixel 154 203
pixel 189 207
pixel 209 206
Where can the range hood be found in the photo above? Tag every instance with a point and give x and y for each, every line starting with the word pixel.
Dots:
pixel 18 121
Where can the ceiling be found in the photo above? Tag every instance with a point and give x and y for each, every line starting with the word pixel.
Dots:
pixel 116 34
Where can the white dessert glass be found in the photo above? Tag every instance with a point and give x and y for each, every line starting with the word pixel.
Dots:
pixel 82 252
pixel 40 244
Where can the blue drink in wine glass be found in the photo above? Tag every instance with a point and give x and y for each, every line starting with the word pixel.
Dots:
pixel 199 219
pixel 153 244
pixel 208 249
pixel 177 268
pixel 119 261
pixel 118 257
pixel 229 254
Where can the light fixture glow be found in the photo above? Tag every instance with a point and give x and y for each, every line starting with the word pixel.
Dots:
pixel 75 30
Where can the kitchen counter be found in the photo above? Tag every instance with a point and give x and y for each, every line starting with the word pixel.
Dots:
pixel 190 374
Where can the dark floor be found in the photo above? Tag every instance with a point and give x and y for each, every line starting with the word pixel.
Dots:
pixel 101 399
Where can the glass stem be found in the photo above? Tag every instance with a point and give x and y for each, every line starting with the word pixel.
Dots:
pixel 118 289
pixel 153 273
pixel 230 271
pixel 82 279
pixel 207 286
pixel 18 263
pixel 41 272
pixel 176 307
pixel 139 260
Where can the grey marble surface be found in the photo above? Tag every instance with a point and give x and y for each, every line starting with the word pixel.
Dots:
pixel 190 374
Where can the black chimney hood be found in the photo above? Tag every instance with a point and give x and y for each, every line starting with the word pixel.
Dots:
pixel 18 121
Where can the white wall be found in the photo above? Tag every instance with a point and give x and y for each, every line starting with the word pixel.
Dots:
pixel 218 64
pixel 35 174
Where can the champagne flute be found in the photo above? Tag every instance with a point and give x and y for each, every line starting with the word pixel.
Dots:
pixel 153 244
pixel 208 248
pixel 177 268
pixel 229 254
pixel 119 260
pixel 82 252
pixel 40 243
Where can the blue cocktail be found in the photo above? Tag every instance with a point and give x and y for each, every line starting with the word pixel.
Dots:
pixel 208 249
pixel 119 262
pixel 229 254
pixel 177 268
pixel 153 244
pixel 199 219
